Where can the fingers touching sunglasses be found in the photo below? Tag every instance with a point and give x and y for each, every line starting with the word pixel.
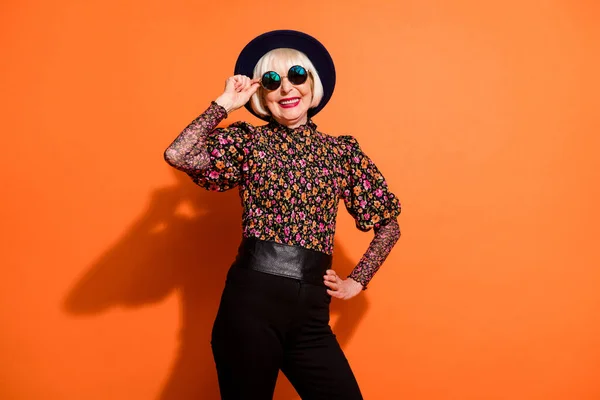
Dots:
pixel 271 80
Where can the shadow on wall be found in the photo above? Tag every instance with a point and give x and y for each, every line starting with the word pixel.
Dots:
pixel 186 241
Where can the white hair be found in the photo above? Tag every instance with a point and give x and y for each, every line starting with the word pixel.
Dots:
pixel 283 59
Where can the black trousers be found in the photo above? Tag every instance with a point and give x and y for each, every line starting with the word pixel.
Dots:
pixel 268 322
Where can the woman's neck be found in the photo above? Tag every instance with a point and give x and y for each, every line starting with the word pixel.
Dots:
pixel 293 124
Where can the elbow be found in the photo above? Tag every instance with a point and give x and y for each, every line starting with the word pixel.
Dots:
pixel 395 229
pixel 390 231
pixel 185 163
pixel 175 160
pixel 170 156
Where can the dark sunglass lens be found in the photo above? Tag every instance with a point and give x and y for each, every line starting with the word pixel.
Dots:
pixel 271 80
pixel 297 75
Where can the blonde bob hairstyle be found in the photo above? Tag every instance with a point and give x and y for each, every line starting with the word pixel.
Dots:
pixel 283 59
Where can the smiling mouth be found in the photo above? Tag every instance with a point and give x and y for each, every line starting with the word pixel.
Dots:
pixel 289 103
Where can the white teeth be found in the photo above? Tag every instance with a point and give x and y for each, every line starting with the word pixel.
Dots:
pixel 289 101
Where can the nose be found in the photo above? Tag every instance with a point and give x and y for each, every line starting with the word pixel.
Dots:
pixel 286 86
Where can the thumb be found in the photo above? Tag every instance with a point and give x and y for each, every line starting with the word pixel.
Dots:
pixel 253 88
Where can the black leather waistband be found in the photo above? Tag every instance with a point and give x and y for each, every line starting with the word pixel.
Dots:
pixel 284 260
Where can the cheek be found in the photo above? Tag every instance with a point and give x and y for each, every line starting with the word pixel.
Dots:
pixel 307 90
pixel 268 101
pixel 271 97
pixel 309 96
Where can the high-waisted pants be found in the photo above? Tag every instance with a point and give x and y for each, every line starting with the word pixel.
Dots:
pixel 269 321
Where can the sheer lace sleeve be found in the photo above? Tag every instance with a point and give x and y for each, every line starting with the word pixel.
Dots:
pixel 385 238
pixel 188 151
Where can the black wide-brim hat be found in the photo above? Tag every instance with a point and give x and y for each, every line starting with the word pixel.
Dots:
pixel 314 50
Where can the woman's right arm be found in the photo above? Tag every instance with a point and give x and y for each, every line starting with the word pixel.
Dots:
pixel 188 151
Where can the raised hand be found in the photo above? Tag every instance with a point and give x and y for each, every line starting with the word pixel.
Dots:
pixel 238 90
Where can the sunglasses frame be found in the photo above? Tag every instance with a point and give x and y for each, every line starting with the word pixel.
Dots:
pixel 284 76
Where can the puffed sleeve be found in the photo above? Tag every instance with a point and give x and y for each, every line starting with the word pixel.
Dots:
pixel 366 194
pixel 228 149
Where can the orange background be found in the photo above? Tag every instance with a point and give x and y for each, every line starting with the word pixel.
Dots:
pixel 483 116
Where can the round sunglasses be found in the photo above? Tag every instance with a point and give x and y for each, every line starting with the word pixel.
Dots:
pixel 271 80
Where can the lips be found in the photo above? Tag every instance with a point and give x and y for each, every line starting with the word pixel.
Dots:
pixel 290 102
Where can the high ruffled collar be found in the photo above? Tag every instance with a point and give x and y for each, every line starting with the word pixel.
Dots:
pixel 307 129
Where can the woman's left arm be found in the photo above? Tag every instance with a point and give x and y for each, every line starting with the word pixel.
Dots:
pixel 385 238
pixel 373 206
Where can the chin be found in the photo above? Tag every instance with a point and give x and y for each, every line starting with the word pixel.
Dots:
pixel 296 113
pixel 294 116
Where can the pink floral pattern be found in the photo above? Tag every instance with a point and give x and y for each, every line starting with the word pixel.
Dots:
pixel 290 182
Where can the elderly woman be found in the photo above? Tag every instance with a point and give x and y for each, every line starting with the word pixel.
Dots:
pixel 274 311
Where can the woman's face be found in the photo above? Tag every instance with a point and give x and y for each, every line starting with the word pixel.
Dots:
pixel 289 103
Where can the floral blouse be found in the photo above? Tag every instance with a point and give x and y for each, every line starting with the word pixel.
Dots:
pixel 290 182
